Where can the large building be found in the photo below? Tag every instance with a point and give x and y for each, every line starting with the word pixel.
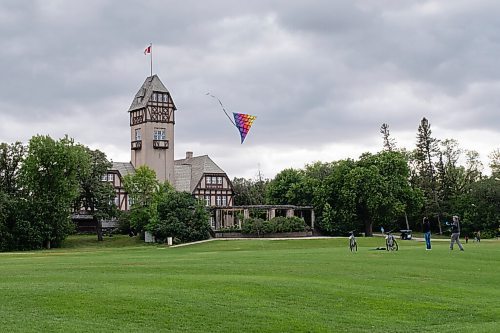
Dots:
pixel 152 142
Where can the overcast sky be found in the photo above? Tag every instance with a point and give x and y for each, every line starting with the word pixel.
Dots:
pixel 321 76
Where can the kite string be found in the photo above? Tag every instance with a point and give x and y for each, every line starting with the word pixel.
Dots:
pixel 223 109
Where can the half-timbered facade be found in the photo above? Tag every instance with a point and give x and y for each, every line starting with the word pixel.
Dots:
pixel 152 120
pixel 115 177
pixel 200 176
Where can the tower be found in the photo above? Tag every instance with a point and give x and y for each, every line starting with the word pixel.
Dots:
pixel 152 120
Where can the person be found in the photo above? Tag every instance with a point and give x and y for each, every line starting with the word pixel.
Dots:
pixel 455 233
pixel 427 233
pixel 466 239
pixel 478 236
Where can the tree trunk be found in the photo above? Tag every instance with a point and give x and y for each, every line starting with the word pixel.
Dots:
pixel 98 224
pixel 407 224
pixel 368 228
pixel 99 229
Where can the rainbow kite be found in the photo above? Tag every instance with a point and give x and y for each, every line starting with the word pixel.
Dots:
pixel 242 121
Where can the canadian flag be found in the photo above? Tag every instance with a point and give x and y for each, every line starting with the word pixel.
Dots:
pixel 147 50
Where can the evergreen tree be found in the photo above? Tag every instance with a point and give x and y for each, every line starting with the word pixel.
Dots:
pixel 426 151
pixel 389 142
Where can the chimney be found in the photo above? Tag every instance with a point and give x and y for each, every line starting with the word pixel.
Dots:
pixel 189 154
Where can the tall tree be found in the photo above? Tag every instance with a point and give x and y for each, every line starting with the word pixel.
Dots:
pixel 141 188
pixel 11 158
pixel 287 188
pixel 383 193
pixel 50 185
pixel 249 191
pixel 495 163
pixel 389 142
pixel 427 150
pixel 95 195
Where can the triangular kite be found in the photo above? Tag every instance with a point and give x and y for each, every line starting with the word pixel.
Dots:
pixel 243 122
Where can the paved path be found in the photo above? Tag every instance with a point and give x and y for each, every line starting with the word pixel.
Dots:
pixel 417 239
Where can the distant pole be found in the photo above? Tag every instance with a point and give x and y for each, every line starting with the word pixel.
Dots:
pixel 151 46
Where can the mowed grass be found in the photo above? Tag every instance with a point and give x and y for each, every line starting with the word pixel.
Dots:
pixel 122 285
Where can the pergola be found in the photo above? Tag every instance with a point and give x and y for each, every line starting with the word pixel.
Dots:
pixel 232 216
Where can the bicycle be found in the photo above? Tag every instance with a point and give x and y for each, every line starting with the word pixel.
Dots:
pixel 353 245
pixel 390 242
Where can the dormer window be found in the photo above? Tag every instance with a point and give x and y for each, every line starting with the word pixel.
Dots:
pixel 165 98
pixel 154 97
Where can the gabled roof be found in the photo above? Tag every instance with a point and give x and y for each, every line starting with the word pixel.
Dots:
pixel 152 84
pixel 188 171
pixel 124 168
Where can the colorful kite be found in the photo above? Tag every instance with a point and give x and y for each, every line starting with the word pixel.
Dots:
pixel 242 121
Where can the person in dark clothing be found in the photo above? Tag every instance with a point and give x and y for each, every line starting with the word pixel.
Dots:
pixel 455 233
pixel 427 233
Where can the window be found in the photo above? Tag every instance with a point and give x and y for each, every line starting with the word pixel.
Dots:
pixel 214 180
pixel 224 201
pixel 104 177
pixel 165 98
pixel 110 177
pixel 137 134
pixel 207 200
pixel 154 97
pixel 209 180
pixel 159 134
pixel 117 201
pixel 219 199
pixel 219 180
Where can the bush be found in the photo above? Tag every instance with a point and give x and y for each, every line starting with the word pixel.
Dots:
pixel 181 216
pixel 257 226
pixel 233 228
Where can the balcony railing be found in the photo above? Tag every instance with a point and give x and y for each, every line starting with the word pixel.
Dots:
pixel 160 144
pixel 136 144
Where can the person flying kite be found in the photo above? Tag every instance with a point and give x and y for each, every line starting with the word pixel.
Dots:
pixel 242 121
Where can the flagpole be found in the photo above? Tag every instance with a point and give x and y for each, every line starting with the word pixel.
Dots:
pixel 151 45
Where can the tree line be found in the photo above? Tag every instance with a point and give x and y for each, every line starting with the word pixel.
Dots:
pixel 393 188
pixel 43 182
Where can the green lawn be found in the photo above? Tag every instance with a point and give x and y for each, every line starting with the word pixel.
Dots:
pixel 122 285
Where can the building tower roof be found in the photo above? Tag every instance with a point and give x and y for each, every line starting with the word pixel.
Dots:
pixel 150 85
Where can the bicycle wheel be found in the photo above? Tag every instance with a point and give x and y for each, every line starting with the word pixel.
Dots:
pixel 387 245
pixel 356 246
pixel 395 246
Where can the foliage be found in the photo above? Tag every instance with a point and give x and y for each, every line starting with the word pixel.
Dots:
pixel 50 184
pixel 231 228
pixel 95 196
pixel 495 163
pixel 287 188
pixel 11 159
pixel 257 226
pixel 389 142
pixel 141 188
pixel 249 191
pixel 479 207
pixel 181 216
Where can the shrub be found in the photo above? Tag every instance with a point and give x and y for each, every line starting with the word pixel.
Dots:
pixel 258 226
pixel 233 228
pixel 181 216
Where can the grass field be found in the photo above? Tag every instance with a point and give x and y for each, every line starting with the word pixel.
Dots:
pixel 122 285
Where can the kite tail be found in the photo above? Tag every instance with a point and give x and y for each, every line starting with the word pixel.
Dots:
pixel 222 106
